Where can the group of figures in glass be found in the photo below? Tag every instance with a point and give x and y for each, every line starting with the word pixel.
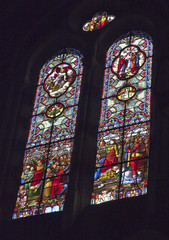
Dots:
pixel 123 135
pixel 59 80
pixel 127 64
pixel 44 182
pixel 121 162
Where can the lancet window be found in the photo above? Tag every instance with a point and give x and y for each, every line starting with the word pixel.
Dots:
pixel 124 129
pixel 47 158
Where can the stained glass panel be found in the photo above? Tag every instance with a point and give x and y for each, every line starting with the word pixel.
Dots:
pixel 124 127
pixel 98 21
pixel 46 165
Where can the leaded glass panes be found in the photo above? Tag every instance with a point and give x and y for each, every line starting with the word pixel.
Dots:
pixel 124 128
pixel 46 165
pixel 98 21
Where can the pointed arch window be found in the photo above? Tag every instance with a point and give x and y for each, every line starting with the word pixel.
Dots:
pixel 46 164
pixel 124 127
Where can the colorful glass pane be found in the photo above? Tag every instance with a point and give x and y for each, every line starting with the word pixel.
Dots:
pixel 124 127
pixel 55 110
pixel 126 93
pixel 46 165
pixel 98 21
pixel 57 176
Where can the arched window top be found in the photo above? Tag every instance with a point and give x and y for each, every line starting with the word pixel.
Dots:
pixel 124 127
pixel 69 55
pixel 137 44
pixel 98 21
pixel 142 41
pixel 46 164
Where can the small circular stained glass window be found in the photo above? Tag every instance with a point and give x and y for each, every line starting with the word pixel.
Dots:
pixel 98 21
pixel 55 110
pixel 126 93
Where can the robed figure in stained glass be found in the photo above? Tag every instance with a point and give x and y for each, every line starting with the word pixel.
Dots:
pixel 36 183
pixel 59 80
pixel 128 62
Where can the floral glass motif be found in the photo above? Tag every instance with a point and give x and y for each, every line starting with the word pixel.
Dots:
pixel 98 21
pixel 124 128
pixel 46 165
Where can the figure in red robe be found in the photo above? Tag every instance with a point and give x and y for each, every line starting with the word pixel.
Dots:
pixel 58 185
pixel 134 68
pixel 111 158
pixel 37 178
pixel 122 66
pixel 136 156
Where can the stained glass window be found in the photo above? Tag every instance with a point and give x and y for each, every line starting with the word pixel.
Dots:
pixel 124 128
pixel 46 164
pixel 98 21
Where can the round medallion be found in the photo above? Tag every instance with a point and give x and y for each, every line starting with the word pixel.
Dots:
pixel 128 62
pixel 59 80
pixel 126 93
pixel 55 110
